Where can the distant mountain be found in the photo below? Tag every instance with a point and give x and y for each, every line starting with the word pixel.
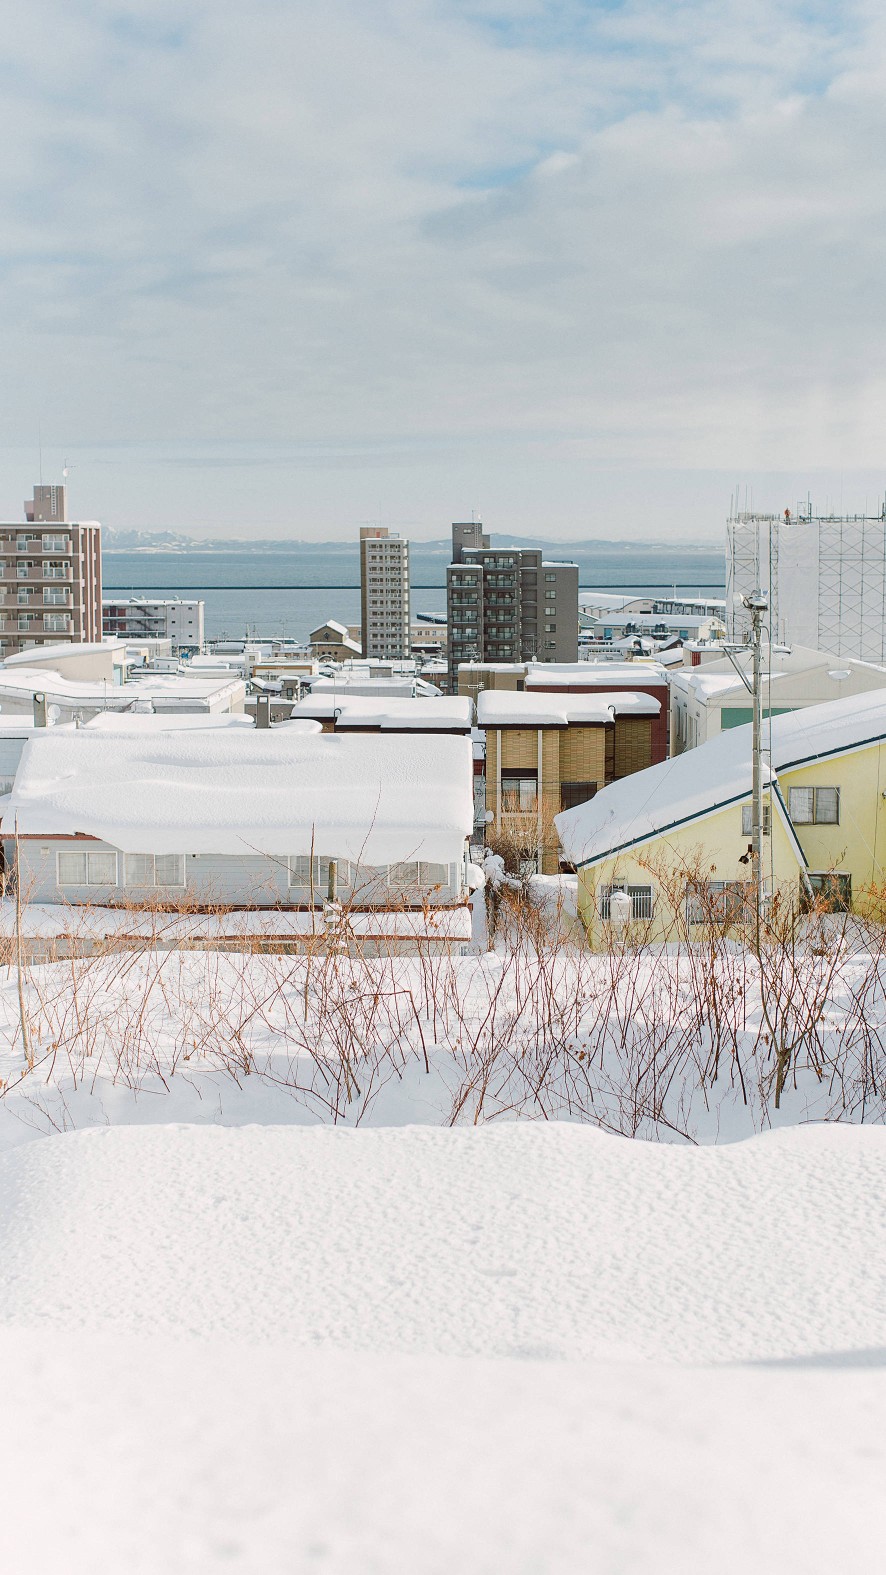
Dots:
pixel 177 541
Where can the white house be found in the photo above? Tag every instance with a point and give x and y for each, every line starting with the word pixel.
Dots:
pixel 209 821
pixel 711 698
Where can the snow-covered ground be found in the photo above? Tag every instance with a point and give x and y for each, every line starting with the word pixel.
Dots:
pixel 530 1349
pixel 237 1337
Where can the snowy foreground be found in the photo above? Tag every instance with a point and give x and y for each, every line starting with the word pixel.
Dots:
pixel 478 1335
pixel 522 1348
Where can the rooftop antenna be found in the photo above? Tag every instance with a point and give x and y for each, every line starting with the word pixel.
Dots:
pixel 40 449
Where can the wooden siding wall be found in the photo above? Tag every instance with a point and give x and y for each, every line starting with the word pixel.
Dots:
pixel 248 880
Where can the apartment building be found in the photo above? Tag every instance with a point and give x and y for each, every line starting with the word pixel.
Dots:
pixel 50 576
pixel 546 752
pixel 384 593
pixel 507 604
pixel 138 618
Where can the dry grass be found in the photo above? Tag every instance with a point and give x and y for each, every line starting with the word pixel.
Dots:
pixel 643 1039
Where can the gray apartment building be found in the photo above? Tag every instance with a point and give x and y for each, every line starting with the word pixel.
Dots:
pixel 506 604
pixel 171 618
pixel 384 593
pixel 50 576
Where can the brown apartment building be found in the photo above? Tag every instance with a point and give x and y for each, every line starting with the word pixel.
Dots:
pixel 50 576
pixel 548 752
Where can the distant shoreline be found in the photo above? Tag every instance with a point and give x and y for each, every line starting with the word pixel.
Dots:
pixel 617 585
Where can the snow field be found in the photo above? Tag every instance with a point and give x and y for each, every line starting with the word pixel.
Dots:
pixel 142 1456
pixel 525 1240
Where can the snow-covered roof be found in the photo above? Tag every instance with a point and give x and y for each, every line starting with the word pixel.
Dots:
pixel 163 722
pixel 331 623
pixel 16 726
pixel 597 675
pixel 609 599
pixel 396 712
pixel 373 798
pixel 86 691
pixel 36 656
pixel 494 667
pixel 234 663
pixel 359 684
pixel 648 621
pixel 513 708
pixel 719 678
pixel 703 780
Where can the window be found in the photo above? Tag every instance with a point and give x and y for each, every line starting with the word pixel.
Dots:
pixel 519 791
pixel 432 874
pixel 716 901
pixel 572 793
pixel 413 872
pixel 550 579
pixel 550 628
pixel 819 806
pixel 155 869
pixel 747 815
pixel 300 872
pixel 76 867
pixel 405 874
pixel 641 900
pixel 830 890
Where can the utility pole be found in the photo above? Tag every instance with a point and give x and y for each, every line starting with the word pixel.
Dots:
pixel 757 604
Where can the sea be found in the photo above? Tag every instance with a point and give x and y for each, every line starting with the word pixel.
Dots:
pixel 287 592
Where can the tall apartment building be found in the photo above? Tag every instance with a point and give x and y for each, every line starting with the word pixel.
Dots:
pixel 50 576
pixel 137 617
pixel 506 604
pixel 384 593
pixel 825 576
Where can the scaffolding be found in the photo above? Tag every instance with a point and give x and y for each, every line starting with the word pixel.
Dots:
pixel 825 575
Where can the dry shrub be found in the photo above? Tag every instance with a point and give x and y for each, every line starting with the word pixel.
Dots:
pixel 646 1038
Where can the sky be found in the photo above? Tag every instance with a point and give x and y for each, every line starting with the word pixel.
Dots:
pixel 285 268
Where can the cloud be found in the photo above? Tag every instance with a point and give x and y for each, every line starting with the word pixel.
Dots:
pixel 650 232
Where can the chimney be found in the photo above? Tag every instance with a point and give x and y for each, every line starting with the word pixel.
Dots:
pixel 263 711
pixel 40 716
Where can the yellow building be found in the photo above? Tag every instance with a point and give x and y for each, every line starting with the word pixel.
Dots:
pixel 677 838
pixel 547 752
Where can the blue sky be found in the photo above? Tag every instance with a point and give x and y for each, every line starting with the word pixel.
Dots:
pixel 292 267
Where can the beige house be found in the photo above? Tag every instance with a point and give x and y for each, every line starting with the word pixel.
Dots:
pixel 331 642
pixel 676 840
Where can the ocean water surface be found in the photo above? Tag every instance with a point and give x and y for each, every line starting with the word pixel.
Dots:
pixel 289 592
